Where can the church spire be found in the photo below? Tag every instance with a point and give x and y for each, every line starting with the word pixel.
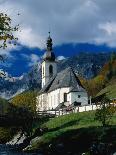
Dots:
pixel 49 43
pixel 49 54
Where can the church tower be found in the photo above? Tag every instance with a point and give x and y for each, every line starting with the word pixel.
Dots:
pixel 49 65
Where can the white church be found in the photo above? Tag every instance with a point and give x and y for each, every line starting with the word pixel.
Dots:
pixel 59 89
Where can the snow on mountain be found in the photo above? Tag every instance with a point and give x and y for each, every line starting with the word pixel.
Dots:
pixel 87 65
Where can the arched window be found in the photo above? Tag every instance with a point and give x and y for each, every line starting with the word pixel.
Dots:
pixel 43 71
pixel 65 97
pixel 51 70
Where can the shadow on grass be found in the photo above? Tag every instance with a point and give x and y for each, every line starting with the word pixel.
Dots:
pixel 80 140
pixel 65 125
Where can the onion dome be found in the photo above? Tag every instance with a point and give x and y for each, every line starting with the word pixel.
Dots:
pixel 49 54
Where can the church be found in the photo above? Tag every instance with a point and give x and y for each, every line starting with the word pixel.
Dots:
pixel 59 89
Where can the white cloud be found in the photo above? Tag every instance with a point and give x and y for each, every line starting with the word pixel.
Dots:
pixel 61 57
pixel 69 21
pixel 32 59
pixel 109 27
pixel 28 38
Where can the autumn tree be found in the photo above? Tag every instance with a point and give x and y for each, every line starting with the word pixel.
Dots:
pixel 26 100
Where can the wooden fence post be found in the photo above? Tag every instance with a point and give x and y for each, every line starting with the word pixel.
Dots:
pixel 62 111
pixel 85 107
pixel 59 112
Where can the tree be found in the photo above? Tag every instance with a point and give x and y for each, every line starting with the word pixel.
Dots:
pixel 27 100
pixel 6 31
pixel 113 57
pixel 21 117
pixel 6 34
pixel 105 112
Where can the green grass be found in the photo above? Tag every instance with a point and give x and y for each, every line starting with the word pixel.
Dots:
pixel 109 90
pixel 63 124
pixel 72 121
pixel 72 128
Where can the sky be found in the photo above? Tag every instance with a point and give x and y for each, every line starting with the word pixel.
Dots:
pixel 75 25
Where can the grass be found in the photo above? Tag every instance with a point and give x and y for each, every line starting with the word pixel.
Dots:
pixel 109 90
pixel 73 130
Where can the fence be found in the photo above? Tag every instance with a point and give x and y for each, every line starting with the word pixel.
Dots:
pixel 68 111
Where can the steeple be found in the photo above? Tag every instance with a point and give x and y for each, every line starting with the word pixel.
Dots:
pixel 49 65
pixel 49 43
pixel 49 54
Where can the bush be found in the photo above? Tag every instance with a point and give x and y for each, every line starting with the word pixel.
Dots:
pixel 105 113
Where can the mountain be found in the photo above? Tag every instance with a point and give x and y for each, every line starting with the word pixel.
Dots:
pixel 104 82
pixel 109 73
pixel 87 65
pixel 11 86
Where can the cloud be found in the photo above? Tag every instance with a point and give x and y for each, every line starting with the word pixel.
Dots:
pixel 32 59
pixel 109 27
pixel 61 57
pixel 90 21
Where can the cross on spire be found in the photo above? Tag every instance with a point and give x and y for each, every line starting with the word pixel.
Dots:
pixel 49 33
pixel 49 43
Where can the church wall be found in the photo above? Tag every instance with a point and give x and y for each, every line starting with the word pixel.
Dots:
pixel 56 97
pixel 45 71
pixel 79 97
pixel 41 101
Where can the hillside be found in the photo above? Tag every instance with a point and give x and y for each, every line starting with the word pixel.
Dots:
pixel 4 105
pixel 109 90
pixel 74 133
pixel 104 81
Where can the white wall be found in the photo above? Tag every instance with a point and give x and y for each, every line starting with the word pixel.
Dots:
pixel 56 97
pixel 42 103
pixel 83 97
pixel 45 71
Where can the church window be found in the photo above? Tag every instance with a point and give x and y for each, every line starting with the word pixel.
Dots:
pixel 43 71
pixel 77 103
pixel 65 97
pixel 51 70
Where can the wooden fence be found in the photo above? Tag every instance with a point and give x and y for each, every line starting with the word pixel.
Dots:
pixel 68 111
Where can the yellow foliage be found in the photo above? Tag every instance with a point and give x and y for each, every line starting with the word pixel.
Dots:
pixel 27 99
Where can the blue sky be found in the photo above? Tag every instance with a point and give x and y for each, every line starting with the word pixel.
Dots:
pixel 75 25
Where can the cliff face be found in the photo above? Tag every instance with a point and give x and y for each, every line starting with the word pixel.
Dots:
pixel 87 65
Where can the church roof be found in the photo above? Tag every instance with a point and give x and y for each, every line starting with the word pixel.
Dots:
pixel 65 78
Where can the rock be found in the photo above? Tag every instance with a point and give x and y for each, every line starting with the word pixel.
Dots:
pixel 18 138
